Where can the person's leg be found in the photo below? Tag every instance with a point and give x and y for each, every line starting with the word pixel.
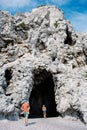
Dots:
pixel 26 118
pixel 44 114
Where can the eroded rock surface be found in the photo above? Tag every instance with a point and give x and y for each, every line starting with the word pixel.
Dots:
pixel 37 41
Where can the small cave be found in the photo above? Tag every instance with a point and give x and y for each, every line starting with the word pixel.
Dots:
pixel 42 94
pixel 8 75
pixel 68 39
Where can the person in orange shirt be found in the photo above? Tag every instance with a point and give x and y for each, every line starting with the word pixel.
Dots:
pixel 25 109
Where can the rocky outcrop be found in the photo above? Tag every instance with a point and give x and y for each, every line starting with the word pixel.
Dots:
pixel 36 41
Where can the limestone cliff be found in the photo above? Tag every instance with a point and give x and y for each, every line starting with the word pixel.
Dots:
pixel 42 40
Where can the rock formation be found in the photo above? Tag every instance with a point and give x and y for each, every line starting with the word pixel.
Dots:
pixel 37 46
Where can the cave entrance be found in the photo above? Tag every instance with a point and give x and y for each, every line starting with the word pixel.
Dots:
pixel 42 93
pixel 8 75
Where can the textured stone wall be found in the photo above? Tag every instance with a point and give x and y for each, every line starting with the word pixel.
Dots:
pixel 39 40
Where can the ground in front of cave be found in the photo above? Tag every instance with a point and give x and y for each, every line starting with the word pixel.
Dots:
pixel 55 123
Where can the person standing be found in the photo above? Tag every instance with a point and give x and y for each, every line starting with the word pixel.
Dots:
pixel 25 109
pixel 44 111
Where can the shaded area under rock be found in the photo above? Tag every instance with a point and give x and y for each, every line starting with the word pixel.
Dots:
pixel 43 93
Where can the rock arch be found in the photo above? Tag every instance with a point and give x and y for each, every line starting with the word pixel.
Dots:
pixel 42 93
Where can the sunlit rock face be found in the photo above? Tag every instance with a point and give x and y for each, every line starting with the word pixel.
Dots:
pixel 43 60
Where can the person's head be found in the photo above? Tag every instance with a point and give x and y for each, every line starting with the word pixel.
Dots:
pixel 43 105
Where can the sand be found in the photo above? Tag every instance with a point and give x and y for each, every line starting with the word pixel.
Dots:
pixel 43 124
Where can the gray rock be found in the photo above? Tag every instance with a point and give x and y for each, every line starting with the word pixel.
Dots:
pixel 42 41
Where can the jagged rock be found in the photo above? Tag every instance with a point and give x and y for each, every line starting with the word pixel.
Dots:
pixel 42 43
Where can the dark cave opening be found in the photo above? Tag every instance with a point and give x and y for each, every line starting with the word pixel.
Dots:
pixel 69 39
pixel 8 75
pixel 43 94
